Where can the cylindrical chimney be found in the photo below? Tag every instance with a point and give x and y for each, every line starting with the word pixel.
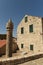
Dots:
pixel 9 28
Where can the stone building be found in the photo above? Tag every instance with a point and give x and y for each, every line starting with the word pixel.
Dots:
pixel 29 39
pixel 30 34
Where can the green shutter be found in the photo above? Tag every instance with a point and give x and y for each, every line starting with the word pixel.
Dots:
pixel 31 28
pixel 21 45
pixel 31 47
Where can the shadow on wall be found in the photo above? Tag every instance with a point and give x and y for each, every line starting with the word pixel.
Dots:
pixel 21 60
pixel 15 47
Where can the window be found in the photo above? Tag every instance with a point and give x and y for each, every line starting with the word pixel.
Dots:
pixel 31 28
pixel 31 47
pixel 22 30
pixel 21 45
pixel 25 19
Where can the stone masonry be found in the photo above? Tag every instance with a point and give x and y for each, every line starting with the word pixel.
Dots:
pixel 28 38
pixel 34 56
pixel 9 28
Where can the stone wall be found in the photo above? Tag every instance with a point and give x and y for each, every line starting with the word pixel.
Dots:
pixel 27 38
pixel 32 60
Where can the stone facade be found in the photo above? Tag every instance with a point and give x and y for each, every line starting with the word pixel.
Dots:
pixel 29 39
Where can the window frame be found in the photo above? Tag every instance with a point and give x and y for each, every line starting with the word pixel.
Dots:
pixel 31 28
pixel 22 45
pixel 22 30
pixel 31 47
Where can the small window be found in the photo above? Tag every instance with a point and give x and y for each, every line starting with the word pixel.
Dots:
pixel 31 47
pixel 25 19
pixel 22 30
pixel 21 45
pixel 31 28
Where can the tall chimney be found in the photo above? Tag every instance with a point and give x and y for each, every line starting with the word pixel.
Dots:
pixel 9 28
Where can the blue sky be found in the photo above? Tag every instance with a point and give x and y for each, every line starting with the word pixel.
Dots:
pixel 16 9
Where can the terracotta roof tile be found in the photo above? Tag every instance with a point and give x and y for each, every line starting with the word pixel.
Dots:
pixel 2 43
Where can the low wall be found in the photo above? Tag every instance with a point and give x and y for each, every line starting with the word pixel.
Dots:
pixel 12 61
